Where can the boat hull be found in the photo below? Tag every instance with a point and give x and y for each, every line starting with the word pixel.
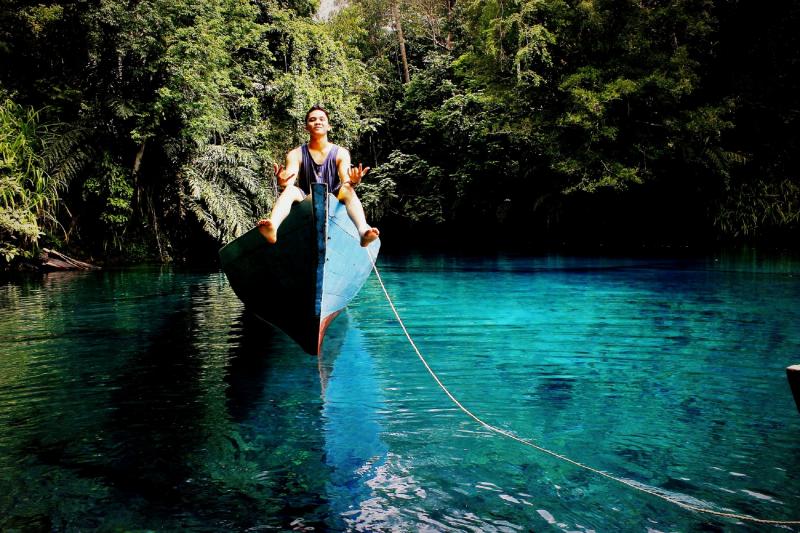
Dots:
pixel 303 281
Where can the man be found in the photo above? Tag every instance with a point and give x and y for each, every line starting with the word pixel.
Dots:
pixel 318 161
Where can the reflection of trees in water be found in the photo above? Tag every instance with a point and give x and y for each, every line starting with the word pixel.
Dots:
pixel 217 422
pixel 168 407
pixel 273 401
pixel 69 335
pixel 155 414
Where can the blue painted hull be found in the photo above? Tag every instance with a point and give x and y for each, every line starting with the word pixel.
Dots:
pixel 303 281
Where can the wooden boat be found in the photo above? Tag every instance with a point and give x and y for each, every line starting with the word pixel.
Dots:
pixel 303 281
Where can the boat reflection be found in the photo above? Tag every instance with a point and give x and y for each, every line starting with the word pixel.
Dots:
pixel 352 421
pixel 271 386
pixel 258 347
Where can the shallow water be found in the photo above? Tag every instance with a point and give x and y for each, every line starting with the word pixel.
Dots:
pixel 148 399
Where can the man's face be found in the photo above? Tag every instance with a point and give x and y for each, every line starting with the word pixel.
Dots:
pixel 317 122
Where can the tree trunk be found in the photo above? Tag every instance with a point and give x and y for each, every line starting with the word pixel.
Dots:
pixel 137 162
pixel 449 41
pixel 401 40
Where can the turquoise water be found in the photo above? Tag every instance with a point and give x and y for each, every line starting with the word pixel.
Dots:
pixel 147 399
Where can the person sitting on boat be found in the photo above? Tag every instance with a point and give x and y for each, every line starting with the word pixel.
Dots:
pixel 302 169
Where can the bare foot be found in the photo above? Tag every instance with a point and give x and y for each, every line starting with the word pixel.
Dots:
pixel 267 229
pixel 370 235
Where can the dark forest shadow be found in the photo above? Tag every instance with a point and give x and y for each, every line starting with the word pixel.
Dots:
pixel 259 349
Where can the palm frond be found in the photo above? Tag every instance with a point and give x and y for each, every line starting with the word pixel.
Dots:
pixel 224 190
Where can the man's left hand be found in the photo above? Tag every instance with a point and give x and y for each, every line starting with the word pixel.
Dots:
pixel 356 173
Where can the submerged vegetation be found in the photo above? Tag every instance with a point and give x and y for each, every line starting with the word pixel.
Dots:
pixel 148 130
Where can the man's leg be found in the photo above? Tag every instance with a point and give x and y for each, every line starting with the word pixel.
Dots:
pixel 269 226
pixel 356 212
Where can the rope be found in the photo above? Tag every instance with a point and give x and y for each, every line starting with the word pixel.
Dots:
pixel 507 434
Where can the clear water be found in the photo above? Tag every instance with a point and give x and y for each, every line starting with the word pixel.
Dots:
pixel 148 400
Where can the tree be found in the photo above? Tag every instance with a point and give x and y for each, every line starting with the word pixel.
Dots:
pixel 173 112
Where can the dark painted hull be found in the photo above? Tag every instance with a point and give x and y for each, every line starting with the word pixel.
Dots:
pixel 303 281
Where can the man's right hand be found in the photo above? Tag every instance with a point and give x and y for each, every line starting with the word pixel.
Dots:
pixel 280 174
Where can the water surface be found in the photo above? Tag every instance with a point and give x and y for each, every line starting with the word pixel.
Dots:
pixel 149 399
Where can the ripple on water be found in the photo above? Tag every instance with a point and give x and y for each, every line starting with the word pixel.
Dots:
pixel 150 400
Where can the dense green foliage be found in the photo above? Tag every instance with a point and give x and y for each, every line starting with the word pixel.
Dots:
pixel 170 113
pixel 27 191
pixel 579 121
pixel 601 121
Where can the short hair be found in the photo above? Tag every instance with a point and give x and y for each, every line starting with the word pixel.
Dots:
pixel 317 107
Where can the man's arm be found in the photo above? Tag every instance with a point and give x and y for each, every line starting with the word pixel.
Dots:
pixel 343 165
pixel 347 174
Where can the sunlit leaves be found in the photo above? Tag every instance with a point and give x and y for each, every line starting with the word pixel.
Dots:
pixel 28 193
pixel 226 191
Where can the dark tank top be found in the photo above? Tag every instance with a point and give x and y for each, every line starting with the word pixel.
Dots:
pixel 311 172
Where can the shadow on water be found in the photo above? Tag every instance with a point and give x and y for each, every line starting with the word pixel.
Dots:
pixel 107 424
pixel 194 416
pixel 275 399
pixel 232 437
pixel 163 407
pixel 156 406
pixel 256 359
pixel 253 342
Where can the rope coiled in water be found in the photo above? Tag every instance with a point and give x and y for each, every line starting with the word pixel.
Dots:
pixel 507 434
